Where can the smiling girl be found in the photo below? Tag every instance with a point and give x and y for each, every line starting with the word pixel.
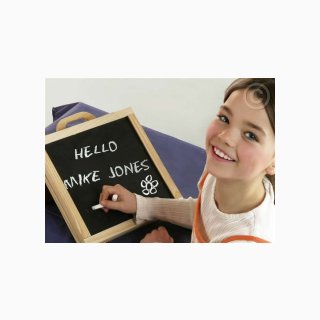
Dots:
pixel 236 190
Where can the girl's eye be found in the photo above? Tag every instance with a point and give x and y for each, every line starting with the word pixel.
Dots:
pixel 223 118
pixel 251 136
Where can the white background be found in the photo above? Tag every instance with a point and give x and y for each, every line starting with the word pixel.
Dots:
pixel 81 39
pixel 182 108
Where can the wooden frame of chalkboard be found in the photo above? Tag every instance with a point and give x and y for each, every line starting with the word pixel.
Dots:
pixel 108 143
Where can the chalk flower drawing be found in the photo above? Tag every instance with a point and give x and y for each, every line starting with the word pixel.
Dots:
pixel 149 185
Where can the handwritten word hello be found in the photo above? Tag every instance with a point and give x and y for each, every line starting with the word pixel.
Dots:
pixel 87 151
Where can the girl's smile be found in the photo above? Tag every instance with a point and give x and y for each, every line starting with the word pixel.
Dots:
pixel 220 155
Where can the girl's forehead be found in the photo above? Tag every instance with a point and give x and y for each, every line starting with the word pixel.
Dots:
pixel 246 107
pixel 246 98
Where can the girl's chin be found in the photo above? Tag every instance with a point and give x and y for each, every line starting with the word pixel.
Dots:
pixel 218 169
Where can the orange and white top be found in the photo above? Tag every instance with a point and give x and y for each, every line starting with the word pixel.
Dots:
pixel 208 223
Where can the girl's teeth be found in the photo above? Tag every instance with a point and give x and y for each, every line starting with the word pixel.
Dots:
pixel 221 154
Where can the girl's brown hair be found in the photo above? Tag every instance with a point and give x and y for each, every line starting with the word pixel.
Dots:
pixel 263 89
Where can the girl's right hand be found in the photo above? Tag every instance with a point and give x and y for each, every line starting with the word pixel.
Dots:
pixel 126 201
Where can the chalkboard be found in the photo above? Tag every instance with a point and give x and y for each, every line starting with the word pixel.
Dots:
pixel 109 150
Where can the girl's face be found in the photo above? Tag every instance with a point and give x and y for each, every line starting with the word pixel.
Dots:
pixel 240 141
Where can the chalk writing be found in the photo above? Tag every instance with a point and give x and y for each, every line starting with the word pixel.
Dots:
pixel 81 179
pixel 114 171
pixel 149 185
pixel 134 167
pixel 117 171
pixel 88 151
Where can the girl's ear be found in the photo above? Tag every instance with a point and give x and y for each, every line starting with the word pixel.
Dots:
pixel 271 170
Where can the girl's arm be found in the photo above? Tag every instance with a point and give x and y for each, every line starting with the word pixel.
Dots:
pixel 176 211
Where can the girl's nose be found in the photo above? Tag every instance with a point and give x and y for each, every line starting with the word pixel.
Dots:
pixel 228 137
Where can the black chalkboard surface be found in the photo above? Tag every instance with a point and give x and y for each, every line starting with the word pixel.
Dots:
pixel 108 150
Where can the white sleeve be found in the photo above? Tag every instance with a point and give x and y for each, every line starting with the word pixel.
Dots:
pixel 177 211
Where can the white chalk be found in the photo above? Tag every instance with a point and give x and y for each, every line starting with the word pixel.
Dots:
pixel 99 206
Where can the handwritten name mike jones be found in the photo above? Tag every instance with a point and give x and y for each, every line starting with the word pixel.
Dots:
pixel 113 172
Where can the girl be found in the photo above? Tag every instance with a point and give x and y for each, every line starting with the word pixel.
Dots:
pixel 236 189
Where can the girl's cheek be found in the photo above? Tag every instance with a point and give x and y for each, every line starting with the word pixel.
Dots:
pixel 212 131
pixel 244 154
pixel 248 154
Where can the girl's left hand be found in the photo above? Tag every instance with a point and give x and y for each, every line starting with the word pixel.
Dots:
pixel 157 235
